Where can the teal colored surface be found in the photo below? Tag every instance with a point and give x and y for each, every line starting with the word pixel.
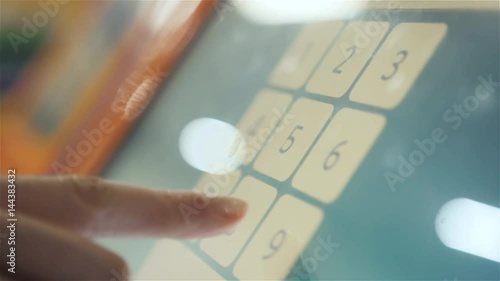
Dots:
pixel 382 235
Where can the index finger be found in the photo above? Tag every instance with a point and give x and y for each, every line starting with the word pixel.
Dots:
pixel 93 206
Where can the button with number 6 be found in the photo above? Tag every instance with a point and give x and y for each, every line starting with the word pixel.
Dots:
pixel 337 155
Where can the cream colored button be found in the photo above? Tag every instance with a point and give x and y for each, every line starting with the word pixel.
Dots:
pixel 217 185
pixel 279 241
pixel 337 155
pixel 304 54
pixel 398 64
pixel 260 119
pixel 287 146
pixel 259 197
pixel 346 58
pixel 172 260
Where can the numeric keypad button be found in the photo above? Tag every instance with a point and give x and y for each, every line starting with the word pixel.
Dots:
pixel 259 196
pixel 346 58
pixel 217 185
pixel 287 146
pixel 168 261
pixel 337 155
pixel 258 122
pixel 398 63
pixel 279 241
pixel 304 54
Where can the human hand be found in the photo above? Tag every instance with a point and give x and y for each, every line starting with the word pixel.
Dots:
pixel 57 218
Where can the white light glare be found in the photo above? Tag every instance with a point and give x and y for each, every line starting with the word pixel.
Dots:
pixel 212 146
pixel 295 11
pixel 470 226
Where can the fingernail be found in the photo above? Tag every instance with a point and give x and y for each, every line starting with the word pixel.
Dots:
pixel 228 207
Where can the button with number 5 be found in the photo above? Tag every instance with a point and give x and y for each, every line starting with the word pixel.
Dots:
pixel 337 155
pixel 279 241
pixel 398 63
pixel 290 141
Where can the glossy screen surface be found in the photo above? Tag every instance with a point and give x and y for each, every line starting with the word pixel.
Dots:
pixel 384 165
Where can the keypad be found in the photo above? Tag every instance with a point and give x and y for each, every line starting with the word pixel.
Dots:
pixel 307 147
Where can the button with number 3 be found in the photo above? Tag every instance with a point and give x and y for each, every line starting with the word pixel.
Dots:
pixel 398 64
pixel 279 241
pixel 337 155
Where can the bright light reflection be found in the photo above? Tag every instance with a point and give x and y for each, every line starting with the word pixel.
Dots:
pixel 471 227
pixel 212 146
pixel 294 11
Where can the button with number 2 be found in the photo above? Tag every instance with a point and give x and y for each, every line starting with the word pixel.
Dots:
pixel 346 58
